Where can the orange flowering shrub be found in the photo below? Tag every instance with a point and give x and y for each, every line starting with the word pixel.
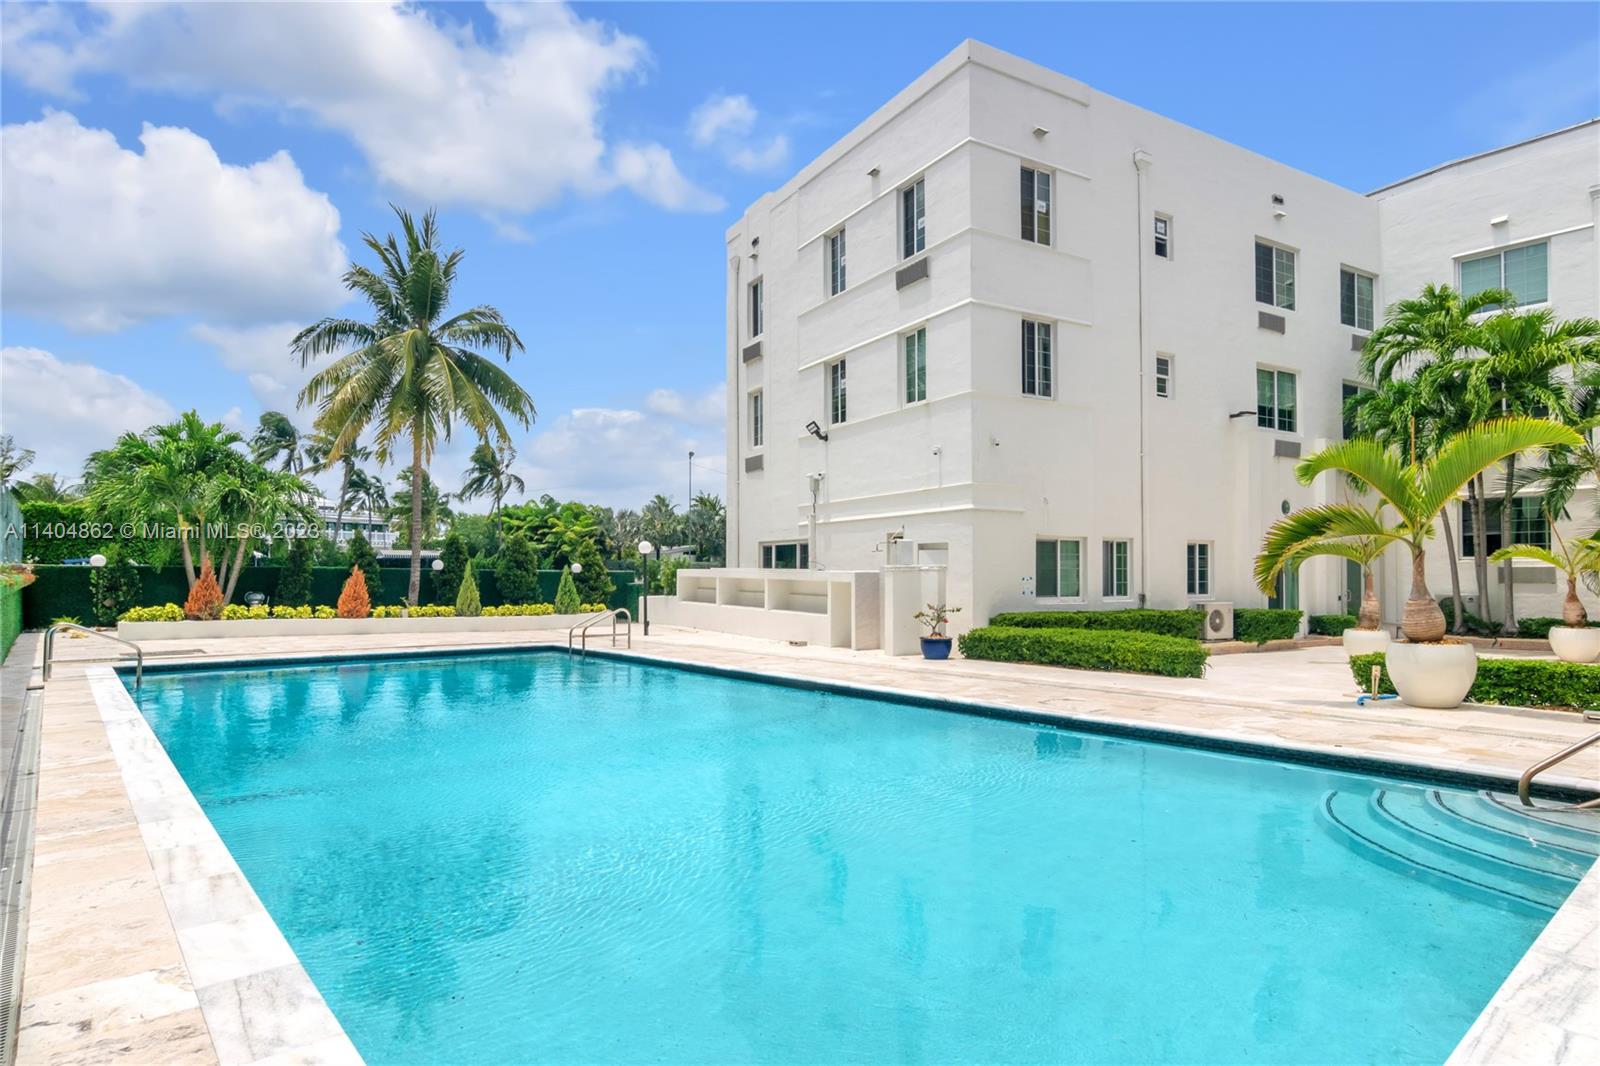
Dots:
pixel 205 599
pixel 353 599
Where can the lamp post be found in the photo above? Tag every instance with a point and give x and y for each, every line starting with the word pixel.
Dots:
pixel 645 548
pixel 691 477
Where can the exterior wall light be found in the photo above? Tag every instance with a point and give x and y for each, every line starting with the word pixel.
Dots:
pixel 816 431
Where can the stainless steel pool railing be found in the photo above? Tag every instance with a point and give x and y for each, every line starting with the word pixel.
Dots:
pixel 1525 782
pixel 50 647
pixel 581 628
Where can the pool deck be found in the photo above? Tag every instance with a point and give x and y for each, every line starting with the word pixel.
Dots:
pixel 146 944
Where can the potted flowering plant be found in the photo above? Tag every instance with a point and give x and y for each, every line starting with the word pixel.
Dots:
pixel 936 645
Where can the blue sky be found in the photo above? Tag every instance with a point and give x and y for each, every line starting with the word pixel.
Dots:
pixel 589 158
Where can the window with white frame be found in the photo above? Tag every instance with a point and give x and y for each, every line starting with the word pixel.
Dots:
pixel 1276 406
pixel 1058 568
pixel 1164 376
pixel 836 263
pixel 1197 568
pixel 1037 368
pixel 912 220
pixel 1163 235
pixel 837 408
pixel 1036 205
pixel 1274 275
pixel 757 311
pixel 786 555
pixel 1114 556
pixel 1348 391
pixel 1524 271
pixel 758 423
pixel 916 352
pixel 1355 298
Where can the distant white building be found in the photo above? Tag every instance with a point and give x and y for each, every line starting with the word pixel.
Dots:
pixel 375 527
pixel 1072 349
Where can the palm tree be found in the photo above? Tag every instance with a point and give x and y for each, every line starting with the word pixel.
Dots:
pixel 434 509
pixel 490 475
pixel 659 519
pixel 277 440
pixel 1575 560
pixel 412 372
pixel 1416 491
pixel 44 487
pixel 1313 532
pixel 319 452
pixel 367 493
pixel 13 460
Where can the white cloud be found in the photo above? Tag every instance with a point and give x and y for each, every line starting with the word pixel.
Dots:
pixel 64 411
pixel 99 236
pixel 727 123
pixel 649 171
pixel 709 408
pixel 261 354
pixel 506 122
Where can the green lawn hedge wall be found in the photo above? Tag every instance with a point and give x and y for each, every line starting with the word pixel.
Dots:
pixel 1166 623
pixel 1121 650
pixel 1513 682
pixel 1536 628
pixel 1257 625
pixel 10 619
pixel 1331 625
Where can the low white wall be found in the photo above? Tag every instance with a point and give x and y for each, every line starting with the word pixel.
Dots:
pixel 327 627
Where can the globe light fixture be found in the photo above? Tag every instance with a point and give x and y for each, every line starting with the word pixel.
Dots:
pixel 645 548
pixel 577 568
pixel 437 564
pixel 97 559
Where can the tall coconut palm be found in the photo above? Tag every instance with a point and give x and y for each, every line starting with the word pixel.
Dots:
pixel 1576 560
pixel 319 454
pixel 490 475
pixel 1416 491
pixel 44 487
pixel 412 373
pixel 277 440
pixel 660 519
pixel 13 460
pixel 1345 534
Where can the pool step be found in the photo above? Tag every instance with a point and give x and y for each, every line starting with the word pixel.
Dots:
pixel 1473 845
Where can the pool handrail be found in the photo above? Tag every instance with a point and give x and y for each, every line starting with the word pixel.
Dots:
pixel 1525 782
pixel 50 643
pixel 582 627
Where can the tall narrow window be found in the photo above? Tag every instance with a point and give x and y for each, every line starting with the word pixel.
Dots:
pixel 1163 229
pixel 912 239
pixel 1114 569
pixel 1275 400
pixel 1348 391
pixel 757 311
pixel 1197 566
pixel 1164 376
pixel 836 263
pixel 1036 358
pixel 758 425
pixel 1036 205
pixel 916 345
pixel 1355 299
pixel 836 393
pixel 1525 271
pixel 1274 275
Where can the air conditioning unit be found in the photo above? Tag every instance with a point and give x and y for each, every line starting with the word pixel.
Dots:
pixel 1219 621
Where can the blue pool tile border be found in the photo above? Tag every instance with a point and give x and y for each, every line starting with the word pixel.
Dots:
pixel 1316 757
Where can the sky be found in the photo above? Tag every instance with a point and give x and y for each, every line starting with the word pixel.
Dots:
pixel 182 186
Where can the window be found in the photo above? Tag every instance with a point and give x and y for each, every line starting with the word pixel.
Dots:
pixel 1355 299
pixel 1528 524
pixel 758 427
pixel 836 393
pixel 1036 358
pixel 1525 271
pixel 1275 400
pixel 757 312
pixel 1058 569
pixel 1114 568
pixel 1286 590
pixel 1197 567
pixel 916 346
pixel 1164 376
pixel 1036 205
pixel 912 220
pixel 836 264
pixel 788 555
pixel 1163 227
pixel 1274 276
pixel 1348 391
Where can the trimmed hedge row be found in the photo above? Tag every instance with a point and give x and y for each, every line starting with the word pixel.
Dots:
pixel 1512 682
pixel 1536 628
pixel 1331 625
pixel 1120 650
pixel 1255 625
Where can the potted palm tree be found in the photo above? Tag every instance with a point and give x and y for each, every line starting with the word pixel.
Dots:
pixel 1345 535
pixel 1572 641
pixel 1427 670
pixel 936 645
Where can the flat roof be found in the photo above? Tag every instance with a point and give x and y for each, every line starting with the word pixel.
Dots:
pixel 1481 155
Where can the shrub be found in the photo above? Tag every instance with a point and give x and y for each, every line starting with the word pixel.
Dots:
pixel 1536 628
pixel 1476 626
pixel 294 580
pixel 353 599
pixel 567 601
pixel 1332 625
pixel 1515 682
pixel 664 578
pixel 1166 623
pixel 167 612
pixel 1257 625
pixel 236 612
pixel 205 598
pixel 516 571
pixel 284 611
pixel 594 583
pixel 1131 652
pixel 519 610
pixel 447 582
pixel 429 610
pixel 54 530
pixel 362 555
pixel 592 608
pixel 114 588
pixel 468 605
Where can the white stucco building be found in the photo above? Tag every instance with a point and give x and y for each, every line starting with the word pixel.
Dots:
pixel 1071 349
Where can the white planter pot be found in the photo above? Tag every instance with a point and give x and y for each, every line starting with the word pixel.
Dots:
pixel 1432 675
pixel 1365 641
pixel 1575 645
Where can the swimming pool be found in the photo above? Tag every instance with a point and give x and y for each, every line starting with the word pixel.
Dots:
pixel 525 857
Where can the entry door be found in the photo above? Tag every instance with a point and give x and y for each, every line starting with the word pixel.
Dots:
pixel 1352 587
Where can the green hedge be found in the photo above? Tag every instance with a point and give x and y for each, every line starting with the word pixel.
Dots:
pixel 1513 682
pixel 51 531
pixel 10 619
pixel 1536 628
pixel 1129 652
pixel 1138 620
pixel 1331 625
pixel 1257 625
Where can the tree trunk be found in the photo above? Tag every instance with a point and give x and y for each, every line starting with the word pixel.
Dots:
pixel 1480 543
pixel 1572 612
pixel 188 557
pixel 414 590
pixel 233 575
pixel 1423 622
pixel 1371 614
pixel 344 492
pixel 1455 573
pixel 1508 615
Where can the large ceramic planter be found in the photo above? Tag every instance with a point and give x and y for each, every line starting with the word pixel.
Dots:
pixel 1575 645
pixel 936 647
pixel 1432 675
pixel 1365 641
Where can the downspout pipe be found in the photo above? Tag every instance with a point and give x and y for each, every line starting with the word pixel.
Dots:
pixel 1141 163
pixel 734 265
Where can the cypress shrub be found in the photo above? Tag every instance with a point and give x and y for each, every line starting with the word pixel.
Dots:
pixel 204 603
pixel 1120 650
pixel 294 580
pixel 516 571
pixel 447 582
pixel 594 583
pixel 363 558
pixel 468 605
pixel 353 600
pixel 567 599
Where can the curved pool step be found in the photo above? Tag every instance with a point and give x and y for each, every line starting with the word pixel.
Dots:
pixel 1575 831
pixel 1432 828
pixel 1357 821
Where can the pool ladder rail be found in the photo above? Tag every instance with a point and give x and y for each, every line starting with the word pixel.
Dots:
pixel 1525 782
pixel 50 646
pixel 581 629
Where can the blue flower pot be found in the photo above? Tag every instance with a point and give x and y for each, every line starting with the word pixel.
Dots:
pixel 936 647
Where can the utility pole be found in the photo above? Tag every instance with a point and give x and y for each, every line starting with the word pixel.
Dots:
pixel 691 478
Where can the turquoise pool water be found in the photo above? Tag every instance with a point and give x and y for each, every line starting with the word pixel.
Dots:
pixel 527 858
